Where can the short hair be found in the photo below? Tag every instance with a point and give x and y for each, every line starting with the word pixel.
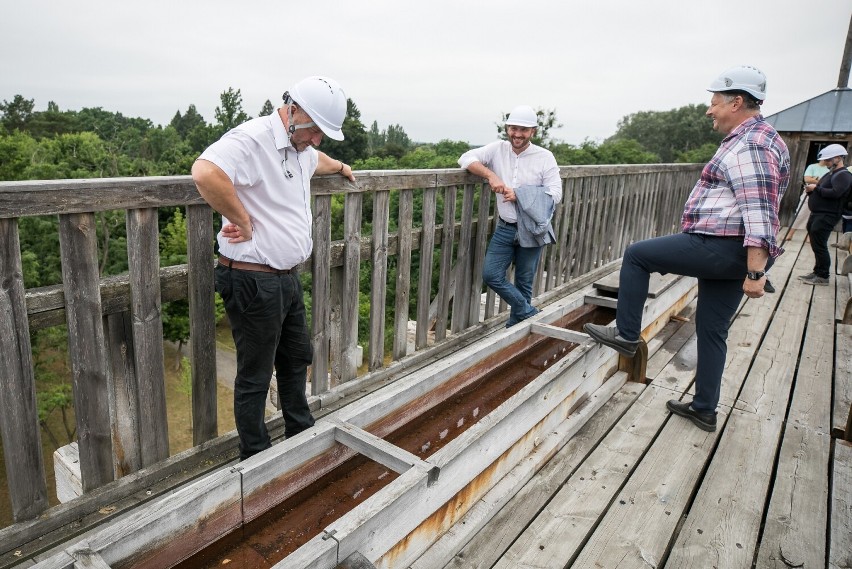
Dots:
pixel 750 103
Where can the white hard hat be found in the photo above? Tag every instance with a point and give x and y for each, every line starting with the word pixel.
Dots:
pixel 831 151
pixel 741 78
pixel 324 101
pixel 523 116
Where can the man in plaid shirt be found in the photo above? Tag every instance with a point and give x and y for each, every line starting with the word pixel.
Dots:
pixel 729 239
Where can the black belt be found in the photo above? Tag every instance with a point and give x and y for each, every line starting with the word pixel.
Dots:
pixel 510 224
pixel 243 266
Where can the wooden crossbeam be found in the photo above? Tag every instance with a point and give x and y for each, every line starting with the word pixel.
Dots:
pixel 389 455
pixel 559 333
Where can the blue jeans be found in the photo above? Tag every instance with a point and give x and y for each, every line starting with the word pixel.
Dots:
pixel 502 251
pixel 720 265
pixel 267 316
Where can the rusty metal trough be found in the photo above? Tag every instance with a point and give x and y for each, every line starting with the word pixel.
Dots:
pixel 475 472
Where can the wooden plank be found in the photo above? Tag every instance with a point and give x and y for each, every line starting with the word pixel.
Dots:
pixel 144 262
pixel 605 301
pixel 844 292
pixel 843 379
pixel 46 305
pixel 484 532
pixel 86 347
pixel 19 421
pixel 424 286
pixel 444 280
pixel 174 526
pixel 351 287
pixel 480 244
pixel 379 281
pixel 66 470
pixel 656 286
pixel 376 449
pixel 840 546
pixel 462 300
pixel 22 199
pixel 559 333
pixel 559 531
pixel 124 416
pixel 403 275
pixel 202 314
pixel 644 514
pixel 85 558
pixel 742 335
pixel 321 287
pixel 728 508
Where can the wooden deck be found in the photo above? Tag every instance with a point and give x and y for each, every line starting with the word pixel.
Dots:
pixel 639 487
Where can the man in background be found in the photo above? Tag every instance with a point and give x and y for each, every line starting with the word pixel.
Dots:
pixel 258 177
pixel 826 200
pixel 507 166
pixel 728 240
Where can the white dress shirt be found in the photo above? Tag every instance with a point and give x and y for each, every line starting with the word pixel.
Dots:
pixel 535 166
pixel 253 156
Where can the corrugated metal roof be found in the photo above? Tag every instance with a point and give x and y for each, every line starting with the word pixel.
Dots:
pixel 829 112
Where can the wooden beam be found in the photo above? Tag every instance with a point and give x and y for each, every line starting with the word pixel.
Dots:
pixel 90 368
pixel 202 340
pixel 560 333
pixel 19 421
pixel 379 450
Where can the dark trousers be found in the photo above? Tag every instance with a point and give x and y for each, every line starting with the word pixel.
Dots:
pixel 720 265
pixel 820 226
pixel 269 326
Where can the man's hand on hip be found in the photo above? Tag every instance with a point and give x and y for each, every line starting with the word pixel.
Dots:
pixel 236 234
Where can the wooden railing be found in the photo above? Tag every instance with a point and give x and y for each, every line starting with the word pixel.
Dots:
pixel 114 323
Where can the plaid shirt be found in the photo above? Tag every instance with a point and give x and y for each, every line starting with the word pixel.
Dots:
pixel 740 189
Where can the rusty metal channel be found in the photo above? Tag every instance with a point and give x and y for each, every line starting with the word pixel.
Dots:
pixel 422 428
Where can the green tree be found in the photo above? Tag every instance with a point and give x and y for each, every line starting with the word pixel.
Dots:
pixel 267 109
pixel 698 155
pixel 231 113
pixel 375 139
pixel 546 121
pixel 16 113
pixel 667 133
pixel 52 122
pixel 17 151
pixel 184 124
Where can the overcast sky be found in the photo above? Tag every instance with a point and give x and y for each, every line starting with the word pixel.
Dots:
pixel 441 69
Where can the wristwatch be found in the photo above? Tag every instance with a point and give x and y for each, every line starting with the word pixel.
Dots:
pixel 755 275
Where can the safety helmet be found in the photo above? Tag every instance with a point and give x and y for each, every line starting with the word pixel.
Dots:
pixel 741 78
pixel 522 116
pixel 324 101
pixel 832 151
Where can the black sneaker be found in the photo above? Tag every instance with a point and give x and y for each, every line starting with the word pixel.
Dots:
pixel 608 336
pixel 704 421
pixel 767 287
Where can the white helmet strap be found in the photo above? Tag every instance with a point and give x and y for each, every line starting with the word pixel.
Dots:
pixel 288 100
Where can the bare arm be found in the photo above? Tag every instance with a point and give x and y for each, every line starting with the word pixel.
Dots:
pixel 757 258
pixel 497 185
pixel 328 165
pixel 218 191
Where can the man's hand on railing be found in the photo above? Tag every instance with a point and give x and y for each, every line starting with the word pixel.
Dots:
pixel 236 234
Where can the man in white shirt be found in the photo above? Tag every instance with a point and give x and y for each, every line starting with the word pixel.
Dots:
pixel 507 165
pixel 258 177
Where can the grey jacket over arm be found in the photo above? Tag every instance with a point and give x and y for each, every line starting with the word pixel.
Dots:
pixel 535 209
